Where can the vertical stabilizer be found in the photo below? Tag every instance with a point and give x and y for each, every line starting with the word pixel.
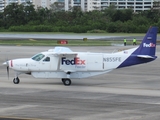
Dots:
pixel 146 50
pixel 148 45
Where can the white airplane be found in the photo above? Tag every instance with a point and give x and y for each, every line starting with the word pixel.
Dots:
pixel 61 62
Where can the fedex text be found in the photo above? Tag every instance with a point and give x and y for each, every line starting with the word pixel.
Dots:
pixel 75 61
pixel 149 45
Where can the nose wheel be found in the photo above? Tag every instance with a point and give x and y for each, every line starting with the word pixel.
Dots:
pixel 16 80
pixel 66 81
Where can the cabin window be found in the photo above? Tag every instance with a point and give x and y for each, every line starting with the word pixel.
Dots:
pixel 38 57
pixel 47 59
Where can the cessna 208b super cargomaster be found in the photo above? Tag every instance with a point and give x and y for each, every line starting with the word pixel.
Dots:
pixel 61 62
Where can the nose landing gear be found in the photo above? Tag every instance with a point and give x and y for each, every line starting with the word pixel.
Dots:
pixel 16 80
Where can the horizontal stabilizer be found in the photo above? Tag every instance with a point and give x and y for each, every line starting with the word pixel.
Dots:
pixel 144 56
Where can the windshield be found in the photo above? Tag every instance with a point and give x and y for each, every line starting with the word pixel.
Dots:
pixel 38 57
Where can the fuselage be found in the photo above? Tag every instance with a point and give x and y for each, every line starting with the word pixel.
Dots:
pixel 84 64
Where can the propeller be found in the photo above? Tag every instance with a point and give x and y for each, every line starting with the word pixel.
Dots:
pixel 7 64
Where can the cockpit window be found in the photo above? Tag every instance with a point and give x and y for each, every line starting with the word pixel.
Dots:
pixel 38 57
pixel 47 59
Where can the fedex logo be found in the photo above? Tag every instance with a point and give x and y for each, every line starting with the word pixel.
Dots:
pixel 149 45
pixel 75 61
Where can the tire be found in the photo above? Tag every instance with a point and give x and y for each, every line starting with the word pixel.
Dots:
pixel 67 82
pixel 16 80
pixel 63 80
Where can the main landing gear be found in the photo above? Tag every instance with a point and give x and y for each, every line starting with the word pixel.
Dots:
pixel 16 80
pixel 66 81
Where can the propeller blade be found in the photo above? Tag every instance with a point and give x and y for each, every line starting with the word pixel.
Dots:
pixel 8 72
pixel 7 65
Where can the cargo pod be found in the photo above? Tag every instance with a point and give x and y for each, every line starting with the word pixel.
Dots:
pixel 95 62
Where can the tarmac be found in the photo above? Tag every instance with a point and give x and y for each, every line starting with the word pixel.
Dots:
pixel 131 93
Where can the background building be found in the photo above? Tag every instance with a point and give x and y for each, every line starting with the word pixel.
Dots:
pixel 42 3
pixel 89 5
pixel 1 5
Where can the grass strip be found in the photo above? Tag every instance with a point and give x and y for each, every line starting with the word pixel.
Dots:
pixel 33 42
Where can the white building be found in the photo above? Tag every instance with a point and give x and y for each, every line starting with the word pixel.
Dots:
pixel 7 2
pixel 1 5
pixel 88 5
pixel 37 3
pixel 4 3
pixel 42 3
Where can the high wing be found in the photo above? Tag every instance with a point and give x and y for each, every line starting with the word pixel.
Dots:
pixel 64 54
pixel 60 50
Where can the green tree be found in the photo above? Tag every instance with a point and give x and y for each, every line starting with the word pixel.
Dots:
pixel 24 17
pixel 30 13
pixel 122 15
pixel 43 14
pixel 13 15
pixel 57 6
pixel 109 12
pixel 1 20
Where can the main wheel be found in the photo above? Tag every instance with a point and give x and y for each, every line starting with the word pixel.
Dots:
pixel 63 80
pixel 16 80
pixel 66 82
